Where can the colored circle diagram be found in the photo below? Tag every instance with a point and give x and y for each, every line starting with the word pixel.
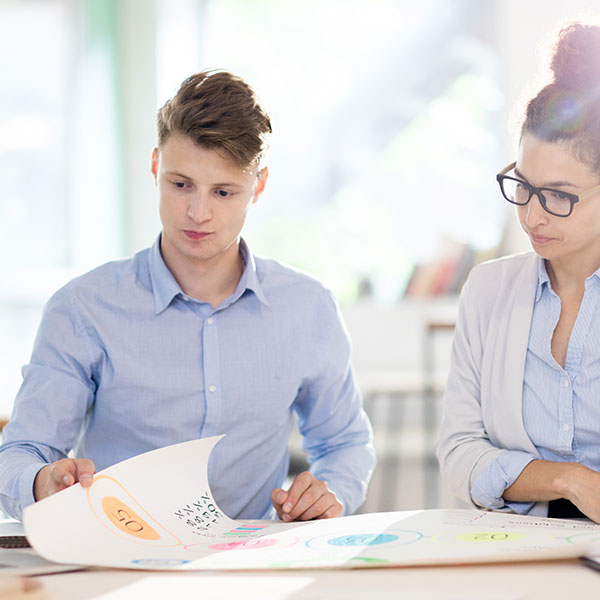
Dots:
pixel 252 544
pixel 588 537
pixel 365 540
pixel 258 543
pixel 119 512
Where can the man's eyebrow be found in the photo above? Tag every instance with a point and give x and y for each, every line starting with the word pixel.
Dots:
pixel 228 184
pixel 187 178
pixel 550 184
pixel 180 175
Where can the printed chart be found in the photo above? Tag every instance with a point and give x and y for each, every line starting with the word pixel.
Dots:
pixel 170 520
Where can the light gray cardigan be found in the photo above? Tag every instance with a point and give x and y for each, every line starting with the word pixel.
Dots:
pixel 483 401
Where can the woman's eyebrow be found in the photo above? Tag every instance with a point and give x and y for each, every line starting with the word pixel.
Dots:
pixel 550 184
pixel 519 174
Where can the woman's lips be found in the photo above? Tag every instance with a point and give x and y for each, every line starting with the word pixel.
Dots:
pixel 196 235
pixel 539 239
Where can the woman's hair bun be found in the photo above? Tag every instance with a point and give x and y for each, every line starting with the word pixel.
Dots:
pixel 576 60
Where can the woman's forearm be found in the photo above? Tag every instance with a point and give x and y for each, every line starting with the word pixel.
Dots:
pixel 542 481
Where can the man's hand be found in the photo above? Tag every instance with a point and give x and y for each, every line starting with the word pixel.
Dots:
pixel 62 474
pixel 308 498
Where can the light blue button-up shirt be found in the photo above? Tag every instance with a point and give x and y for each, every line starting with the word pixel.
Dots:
pixel 561 411
pixel 124 362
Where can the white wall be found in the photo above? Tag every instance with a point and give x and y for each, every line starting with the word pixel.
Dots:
pixel 138 85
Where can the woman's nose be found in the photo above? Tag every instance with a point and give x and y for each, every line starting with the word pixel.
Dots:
pixel 536 214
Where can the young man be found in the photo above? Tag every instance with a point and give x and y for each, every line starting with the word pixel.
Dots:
pixel 196 337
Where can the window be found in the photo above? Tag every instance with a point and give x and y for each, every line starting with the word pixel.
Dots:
pixel 59 205
pixel 388 119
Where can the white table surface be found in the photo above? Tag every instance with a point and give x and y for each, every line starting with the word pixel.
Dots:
pixel 564 580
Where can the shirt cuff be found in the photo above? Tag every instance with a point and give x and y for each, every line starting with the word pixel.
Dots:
pixel 502 473
pixel 26 479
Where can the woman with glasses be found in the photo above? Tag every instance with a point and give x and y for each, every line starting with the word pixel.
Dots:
pixel 521 426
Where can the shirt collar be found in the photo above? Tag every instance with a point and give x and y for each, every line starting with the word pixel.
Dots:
pixel 543 279
pixel 249 279
pixel 165 287
pixel 594 277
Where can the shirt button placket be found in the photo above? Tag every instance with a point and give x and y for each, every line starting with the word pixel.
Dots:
pixel 212 377
pixel 565 415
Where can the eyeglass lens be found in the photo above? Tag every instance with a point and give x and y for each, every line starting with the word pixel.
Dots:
pixel 553 201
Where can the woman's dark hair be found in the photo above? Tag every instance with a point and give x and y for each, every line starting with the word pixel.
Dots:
pixel 568 109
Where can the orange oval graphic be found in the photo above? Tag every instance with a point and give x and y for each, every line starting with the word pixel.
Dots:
pixel 127 520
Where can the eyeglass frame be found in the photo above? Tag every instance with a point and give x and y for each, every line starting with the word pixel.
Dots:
pixel 573 198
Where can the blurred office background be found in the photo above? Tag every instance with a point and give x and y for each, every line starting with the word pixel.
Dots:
pixel 391 119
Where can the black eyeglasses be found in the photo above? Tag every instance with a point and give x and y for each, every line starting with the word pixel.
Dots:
pixel 556 202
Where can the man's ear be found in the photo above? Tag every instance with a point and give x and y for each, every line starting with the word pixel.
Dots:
pixel 261 182
pixel 154 164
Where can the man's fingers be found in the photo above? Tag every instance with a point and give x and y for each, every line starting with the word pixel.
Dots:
pixel 318 509
pixel 278 497
pixel 315 495
pixel 62 474
pixel 333 511
pixel 308 491
pixel 301 483
pixel 308 498
pixel 65 479
pixel 84 471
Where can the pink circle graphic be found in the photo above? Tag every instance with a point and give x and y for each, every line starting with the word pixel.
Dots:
pixel 254 544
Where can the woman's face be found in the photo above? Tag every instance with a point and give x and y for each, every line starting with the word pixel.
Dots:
pixel 553 165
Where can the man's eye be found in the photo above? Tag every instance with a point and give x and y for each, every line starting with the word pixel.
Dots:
pixel 180 184
pixel 223 193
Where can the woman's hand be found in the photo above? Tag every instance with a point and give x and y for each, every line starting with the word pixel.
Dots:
pixel 581 486
pixel 542 481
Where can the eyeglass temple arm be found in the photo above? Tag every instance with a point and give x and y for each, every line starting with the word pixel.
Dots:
pixel 589 193
pixel 507 169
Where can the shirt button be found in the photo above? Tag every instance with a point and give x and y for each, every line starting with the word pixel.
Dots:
pixel 565 383
pixel 213 388
pixel 209 320
pixel 566 427
pixel 186 299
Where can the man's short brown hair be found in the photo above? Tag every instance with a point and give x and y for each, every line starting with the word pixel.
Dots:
pixel 218 111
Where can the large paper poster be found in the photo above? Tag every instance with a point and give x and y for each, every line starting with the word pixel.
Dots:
pixel 156 511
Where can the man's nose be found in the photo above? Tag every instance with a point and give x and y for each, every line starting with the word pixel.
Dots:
pixel 199 208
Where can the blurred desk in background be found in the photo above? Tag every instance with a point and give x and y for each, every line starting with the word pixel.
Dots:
pixel 401 358
pixel 433 329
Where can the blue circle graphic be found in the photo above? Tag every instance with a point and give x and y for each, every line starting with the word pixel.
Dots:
pixel 363 539
pixel 159 562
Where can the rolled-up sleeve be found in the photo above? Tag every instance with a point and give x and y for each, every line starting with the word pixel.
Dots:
pixel 490 485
